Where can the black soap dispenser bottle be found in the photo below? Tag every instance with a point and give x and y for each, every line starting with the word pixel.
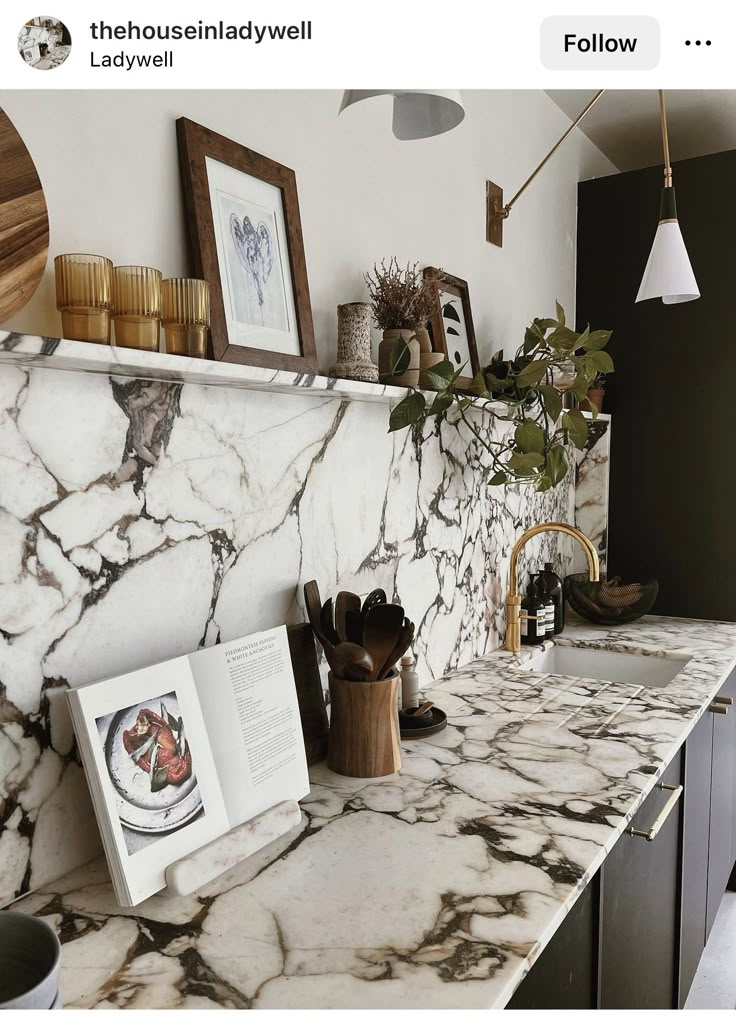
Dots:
pixel 549 605
pixel 552 585
pixel 533 618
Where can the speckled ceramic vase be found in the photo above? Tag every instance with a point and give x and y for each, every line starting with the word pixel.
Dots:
pixel 354 343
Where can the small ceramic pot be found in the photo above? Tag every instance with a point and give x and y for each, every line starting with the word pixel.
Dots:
pixel 30 959
pixel 364 727
pixel 595 398
pixel 411 374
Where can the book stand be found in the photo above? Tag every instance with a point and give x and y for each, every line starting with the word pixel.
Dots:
pixel 206 863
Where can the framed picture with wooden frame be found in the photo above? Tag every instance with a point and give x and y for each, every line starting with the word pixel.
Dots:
pixel 451 327
pixel 246 241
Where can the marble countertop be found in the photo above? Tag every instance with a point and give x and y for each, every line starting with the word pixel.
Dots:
pixel 436 887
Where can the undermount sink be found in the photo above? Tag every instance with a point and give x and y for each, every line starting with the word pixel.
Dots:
pixel 626 666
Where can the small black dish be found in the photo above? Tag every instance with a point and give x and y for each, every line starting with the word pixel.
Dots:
pixel 416 727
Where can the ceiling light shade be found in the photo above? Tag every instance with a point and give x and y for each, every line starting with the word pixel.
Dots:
pixel 418 113
pixel 668 273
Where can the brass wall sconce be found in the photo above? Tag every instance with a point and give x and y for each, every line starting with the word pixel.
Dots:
pixel 496 212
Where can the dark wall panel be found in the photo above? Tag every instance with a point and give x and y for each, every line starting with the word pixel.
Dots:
pixel 673 396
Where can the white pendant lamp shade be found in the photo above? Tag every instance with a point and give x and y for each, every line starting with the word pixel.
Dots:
pixel 418 113
pixel 668 274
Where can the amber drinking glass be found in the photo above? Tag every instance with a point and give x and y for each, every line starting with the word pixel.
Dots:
pixel 136 301
pixel 84 296
pixel 186 316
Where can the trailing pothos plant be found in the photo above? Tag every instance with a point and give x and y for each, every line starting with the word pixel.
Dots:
pixel 526 391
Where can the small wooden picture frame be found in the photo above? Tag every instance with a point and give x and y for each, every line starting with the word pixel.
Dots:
pixel 451 328
pixel 246 241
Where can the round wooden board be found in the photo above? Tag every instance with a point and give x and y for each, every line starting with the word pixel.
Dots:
pixel 24 223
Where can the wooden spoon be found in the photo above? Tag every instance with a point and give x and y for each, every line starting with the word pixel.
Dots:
pixel 354 627
pixel 353 662
pixel 344 602
pixel 314 608
pixel 382 627
pixel 327 621
pixel 406 638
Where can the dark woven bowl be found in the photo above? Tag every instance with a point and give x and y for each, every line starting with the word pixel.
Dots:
pixel 610 602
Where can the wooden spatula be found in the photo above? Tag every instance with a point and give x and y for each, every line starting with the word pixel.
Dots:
pixel 381 630
pixel 344 602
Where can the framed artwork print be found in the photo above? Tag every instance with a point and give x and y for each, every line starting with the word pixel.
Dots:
pixel 246 240
pixel 451 327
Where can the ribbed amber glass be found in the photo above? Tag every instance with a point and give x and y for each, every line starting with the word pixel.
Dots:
pixel 84 296
pixel 136 301
pixel 186 316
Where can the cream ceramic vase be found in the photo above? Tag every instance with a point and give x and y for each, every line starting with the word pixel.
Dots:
pixel 385 348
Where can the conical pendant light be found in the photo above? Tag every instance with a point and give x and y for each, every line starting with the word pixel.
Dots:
pixel 668 274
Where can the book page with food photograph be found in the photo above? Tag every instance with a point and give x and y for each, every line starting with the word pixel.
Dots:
pixel 178 753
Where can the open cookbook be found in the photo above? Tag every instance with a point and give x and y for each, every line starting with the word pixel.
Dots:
pixel 178 753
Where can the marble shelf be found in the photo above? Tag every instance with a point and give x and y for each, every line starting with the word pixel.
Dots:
pixel 19 350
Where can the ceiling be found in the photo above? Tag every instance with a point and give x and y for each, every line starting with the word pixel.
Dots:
pixel 625 124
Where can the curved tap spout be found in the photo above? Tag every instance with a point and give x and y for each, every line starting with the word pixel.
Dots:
pixel 513 599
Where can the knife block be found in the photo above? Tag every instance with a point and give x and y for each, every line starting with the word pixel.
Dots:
pixel 364 727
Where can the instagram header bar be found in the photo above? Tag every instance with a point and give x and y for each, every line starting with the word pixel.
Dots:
pixel 468 44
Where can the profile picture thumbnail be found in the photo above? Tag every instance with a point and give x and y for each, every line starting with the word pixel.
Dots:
pixel 44 43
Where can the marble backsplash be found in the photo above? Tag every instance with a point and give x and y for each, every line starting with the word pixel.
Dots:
pixel 142 519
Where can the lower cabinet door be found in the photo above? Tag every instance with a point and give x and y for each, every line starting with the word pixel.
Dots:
pixel 565 974
pixel 640 905
pixel 695 845
pixel 720 853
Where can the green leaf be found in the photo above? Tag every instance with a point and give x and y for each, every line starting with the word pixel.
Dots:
pixel 556 467
pixel 545 323
pixel 581 386
pixel 440 375
pixel 597 340
pixel 498 479
pixel 582 339
pixel 577 427
pixel 601 361
pixel 400 357
pixel 407 412
pixel 562 339
pixel 544 483
pixel 531 374
pixel 478 385
pixel 560 311
pixel 529 437
pixel 497 357
pixel 525 464
pixel 464 403
pixel 441 403
pixel 552 399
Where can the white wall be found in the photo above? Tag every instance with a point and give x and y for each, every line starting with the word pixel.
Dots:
pixel 108 163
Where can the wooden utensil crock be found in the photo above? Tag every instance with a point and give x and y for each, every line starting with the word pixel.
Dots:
pixel 364 727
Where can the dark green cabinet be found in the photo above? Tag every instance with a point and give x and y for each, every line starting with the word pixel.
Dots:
pixel 695 844
pixel 636 935
pixel 721 845
pixel 565 974
pixel 639 936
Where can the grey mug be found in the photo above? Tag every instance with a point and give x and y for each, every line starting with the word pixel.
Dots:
pixel 30 959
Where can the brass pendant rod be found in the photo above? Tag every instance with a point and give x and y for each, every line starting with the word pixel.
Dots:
pixel 507 208
pixel 665 140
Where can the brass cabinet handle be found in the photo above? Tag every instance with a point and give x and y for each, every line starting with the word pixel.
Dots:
pixel 724 700
pixel 720 708
pixel 659 822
